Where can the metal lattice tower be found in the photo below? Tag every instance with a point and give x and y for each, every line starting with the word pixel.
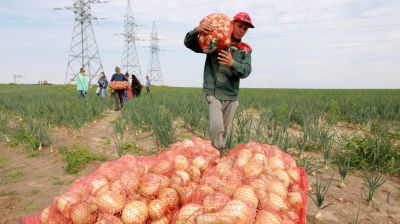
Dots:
pixel 130 60
pixel 84 52
pixel 154 72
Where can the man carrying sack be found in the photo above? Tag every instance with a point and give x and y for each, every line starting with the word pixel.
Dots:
pixel 222 73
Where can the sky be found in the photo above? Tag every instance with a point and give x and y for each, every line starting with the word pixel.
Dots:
pixel 296 44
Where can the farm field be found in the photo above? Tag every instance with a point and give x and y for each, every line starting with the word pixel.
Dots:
pixel 50 137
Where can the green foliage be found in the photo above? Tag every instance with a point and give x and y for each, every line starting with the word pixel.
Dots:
pixel 12 176
pixel 375 152
pixel 57 181
pixel 77 157
pixel 372 183
pixel 321 191
pixel 3 161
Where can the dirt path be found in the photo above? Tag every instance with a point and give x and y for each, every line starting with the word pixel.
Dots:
pixel 28 185
pixel 96 136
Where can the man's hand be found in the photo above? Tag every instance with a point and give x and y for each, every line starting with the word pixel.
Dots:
pixel 225 58
pixel 203 27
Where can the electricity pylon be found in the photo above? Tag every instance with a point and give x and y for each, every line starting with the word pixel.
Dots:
pixel 130 60
pixel 83 52
pixel 154 71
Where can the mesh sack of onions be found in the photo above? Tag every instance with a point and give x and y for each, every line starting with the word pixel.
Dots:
pixel 135 189
pixel 119 85
pixel 219 37
pixel 254 183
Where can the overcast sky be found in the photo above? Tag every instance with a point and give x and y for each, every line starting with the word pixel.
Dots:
pixel 296 44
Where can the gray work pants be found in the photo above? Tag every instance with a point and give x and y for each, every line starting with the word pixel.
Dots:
pixel 221 114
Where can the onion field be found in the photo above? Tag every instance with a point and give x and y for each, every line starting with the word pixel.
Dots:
pixel 348 141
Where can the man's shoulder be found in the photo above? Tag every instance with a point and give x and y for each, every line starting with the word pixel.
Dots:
pixel 244 46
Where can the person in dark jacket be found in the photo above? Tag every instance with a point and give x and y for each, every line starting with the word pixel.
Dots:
pixel 136 86
pixel 118 94
pixel 222 73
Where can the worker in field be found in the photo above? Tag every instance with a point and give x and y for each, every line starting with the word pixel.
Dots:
pixel 126 91
pixel 102 85
pixel 118 94
pixel 82 83
pixel 148 84
pixel 136 86
pixel 222 73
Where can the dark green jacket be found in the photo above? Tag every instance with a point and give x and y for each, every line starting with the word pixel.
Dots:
pixel 219 80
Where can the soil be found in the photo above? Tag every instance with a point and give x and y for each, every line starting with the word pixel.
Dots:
pixel 39 179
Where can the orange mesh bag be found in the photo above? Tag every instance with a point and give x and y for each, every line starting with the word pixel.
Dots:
pixel 280 186
pixel 187 183
pixel 219 37
pixel 119 85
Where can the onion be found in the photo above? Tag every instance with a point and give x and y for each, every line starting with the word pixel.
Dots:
pixel 215 202
pixel 295 198
pixel 157 209
pixel 264 217
pixel 97 183
pixel 243 158
pixel 254 168
pixel 66 201
pixel 224 166
pixel 246 194
pixel 294 174
pixel 107 219
pixel 162 167
pixel 195 173
pixel 201 163
pixel 276 202
pixel 170 197
pixel 130 181
pixel 117 186
pixel 276 186
pixel 258 184
pixel 293 216
pixel 210 218
pixel 110 202
pixel 236 212
pixel 82 214
pixel 276 162
pixel 184 176
pixel 188 214
pixel 282 175
pixel 164 182
pixel 184 193
pixel 206 189
pixel 150 184
pixel 44 216
pixel 135 212
pixel 163 220
pixel 181 163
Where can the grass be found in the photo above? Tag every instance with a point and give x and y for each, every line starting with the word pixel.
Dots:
pixel 28 208
pixel 57 180
pixel 7 193
pixel 77 158
pixel 3 161
pixel 35 191
pixel 12 176
pixel 105 140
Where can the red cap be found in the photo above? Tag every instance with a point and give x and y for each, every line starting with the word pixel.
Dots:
pixel 244 17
